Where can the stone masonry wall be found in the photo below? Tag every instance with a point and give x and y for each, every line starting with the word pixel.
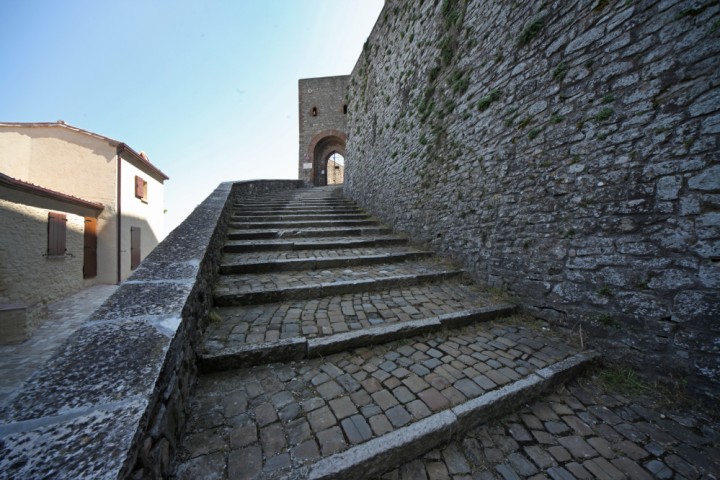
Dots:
pixel 113 402
pixel 565 151
pixel 27 274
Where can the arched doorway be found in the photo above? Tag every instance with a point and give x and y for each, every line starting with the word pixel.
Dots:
pixel 326 145
pixel 335 168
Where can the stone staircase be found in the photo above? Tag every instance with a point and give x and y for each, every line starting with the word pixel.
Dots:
pixel 339 350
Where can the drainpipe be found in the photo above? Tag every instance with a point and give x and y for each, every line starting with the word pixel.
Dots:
pixel 119 212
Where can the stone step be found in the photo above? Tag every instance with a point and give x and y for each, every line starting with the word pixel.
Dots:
pixel 309 254
pixel 239 246
pixel 275 265
pixel 246 234
pixel 298 217
pixel 307 209
pixel 252 289
pixel 362 412
pixel 232 354
pixel 302 224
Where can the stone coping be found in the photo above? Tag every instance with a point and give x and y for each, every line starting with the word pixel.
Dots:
pixel 117 389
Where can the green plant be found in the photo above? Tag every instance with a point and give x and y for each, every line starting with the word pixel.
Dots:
pixel 529 32
pixel 556 118
pixel 423 139
pixel 622 379
pixel 605 291
pixel 559 72
pixel 532 134
pixel 459 82
pixel 488 99
pixel 608 98
pixel 602 136
pixel 525 122
pixel 604 114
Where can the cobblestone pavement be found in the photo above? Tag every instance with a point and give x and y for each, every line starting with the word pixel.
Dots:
pixel 339 313
pixel 581 431
pixel 18 362
pixel 272 419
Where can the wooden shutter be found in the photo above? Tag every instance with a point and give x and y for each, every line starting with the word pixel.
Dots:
pixel 90 248
pixel 139 189
pixel 57 224
pixel 134 247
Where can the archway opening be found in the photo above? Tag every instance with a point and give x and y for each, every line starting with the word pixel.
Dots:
pixel 329 153
pixel 335 169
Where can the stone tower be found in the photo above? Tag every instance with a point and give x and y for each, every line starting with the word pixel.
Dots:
pixel 323 113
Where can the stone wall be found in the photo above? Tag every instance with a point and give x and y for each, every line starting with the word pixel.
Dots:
pixel 565 151
pixel 113 402
pixel 27 274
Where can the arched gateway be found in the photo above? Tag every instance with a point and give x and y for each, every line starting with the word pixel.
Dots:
pixel 322 116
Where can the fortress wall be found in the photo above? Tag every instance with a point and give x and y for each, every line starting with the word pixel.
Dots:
pixel 566 151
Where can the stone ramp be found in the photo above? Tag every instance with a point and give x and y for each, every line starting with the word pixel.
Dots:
pixel 338 356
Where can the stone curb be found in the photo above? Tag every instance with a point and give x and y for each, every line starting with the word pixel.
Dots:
pixel 402 445
pixel 322 263
pixel 317 245
pixel 329 289
pixel 298 348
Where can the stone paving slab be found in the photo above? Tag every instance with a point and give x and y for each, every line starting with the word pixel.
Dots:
pixel 339 314
pixel 580 431
pixel 274 419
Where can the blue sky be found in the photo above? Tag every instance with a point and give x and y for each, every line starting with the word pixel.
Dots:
pixel 208 89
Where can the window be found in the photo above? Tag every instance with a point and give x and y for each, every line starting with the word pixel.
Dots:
pixel 345 109
pixel 134 247
pixel 141 189
pixel 57 226
pixel 314 111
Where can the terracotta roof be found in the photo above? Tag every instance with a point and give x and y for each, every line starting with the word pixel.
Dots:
pixel 122 147
pixel 45 192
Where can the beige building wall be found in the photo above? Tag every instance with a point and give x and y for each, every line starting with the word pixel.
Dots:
pixel 27 274
pixel 148 216
pixel 70 162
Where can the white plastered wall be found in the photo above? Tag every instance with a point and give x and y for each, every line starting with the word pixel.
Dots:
pixel 72 163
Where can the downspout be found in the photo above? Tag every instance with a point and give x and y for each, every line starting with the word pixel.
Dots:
pixel 119 212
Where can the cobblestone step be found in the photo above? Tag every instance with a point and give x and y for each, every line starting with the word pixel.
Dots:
pixel 271 256
pixel 307 232
pixel 361 412
pixel 306 209
pixel 252 289
pixel 219 355
pixel 303 224
pixel 282 216
pixel 240 246
pixel 234 265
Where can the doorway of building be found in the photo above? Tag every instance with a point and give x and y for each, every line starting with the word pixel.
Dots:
pixel 335 169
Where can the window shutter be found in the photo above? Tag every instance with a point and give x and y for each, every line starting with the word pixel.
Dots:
pixel 139 187
pixel 57 224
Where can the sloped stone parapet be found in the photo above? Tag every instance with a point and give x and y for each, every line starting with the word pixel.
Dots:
pixel 113 402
